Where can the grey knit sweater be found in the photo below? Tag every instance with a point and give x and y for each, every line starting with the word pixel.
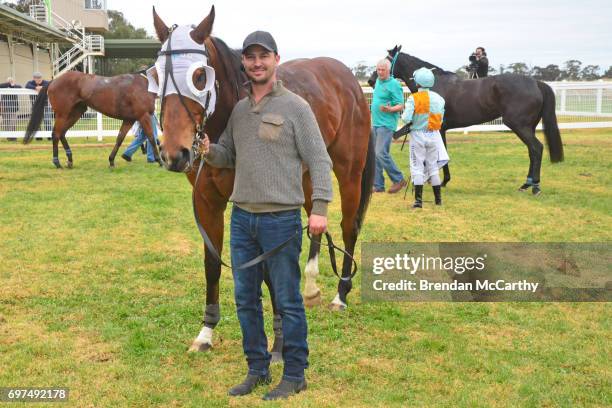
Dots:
pixel 268 143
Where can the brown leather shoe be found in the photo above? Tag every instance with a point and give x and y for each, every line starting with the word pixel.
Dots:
pixel 397 186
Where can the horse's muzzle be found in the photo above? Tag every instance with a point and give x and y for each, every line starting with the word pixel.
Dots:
pixel 181 162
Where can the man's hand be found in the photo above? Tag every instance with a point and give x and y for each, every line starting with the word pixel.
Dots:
pixel 385 108
pixel 317 224
pixel 38 88
pixel 205 145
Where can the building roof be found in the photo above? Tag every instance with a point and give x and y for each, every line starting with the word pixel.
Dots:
pixel 141 48
pixel 22 26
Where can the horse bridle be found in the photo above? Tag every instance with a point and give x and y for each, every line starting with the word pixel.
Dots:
pixel 169 72
pixel 392 60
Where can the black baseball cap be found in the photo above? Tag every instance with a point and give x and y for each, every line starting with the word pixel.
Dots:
pixel 262 38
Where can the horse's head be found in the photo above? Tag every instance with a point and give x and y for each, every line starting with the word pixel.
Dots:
pixel 185 84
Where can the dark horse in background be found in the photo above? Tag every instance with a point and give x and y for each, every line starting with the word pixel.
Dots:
pixel 519 100
pixel 123 97
pixel 343 116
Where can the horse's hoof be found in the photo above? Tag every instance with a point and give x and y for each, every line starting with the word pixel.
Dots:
pixel 536 191
pixel 312 300
pixel 335 307
pixel 69 164
pixel 197 346
pixel 524 187
pixel 277 357
pixel 111 164
pixel 57 165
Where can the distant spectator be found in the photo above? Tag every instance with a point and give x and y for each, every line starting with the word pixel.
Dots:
pixel 9 105
pixel 479 64
pixel 37 83
pixel 139 140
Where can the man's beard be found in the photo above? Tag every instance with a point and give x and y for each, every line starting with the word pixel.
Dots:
pixel 261 81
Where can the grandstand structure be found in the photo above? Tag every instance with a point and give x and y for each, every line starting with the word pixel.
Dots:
pixel 54 37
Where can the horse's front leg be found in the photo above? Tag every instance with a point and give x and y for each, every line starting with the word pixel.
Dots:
pixel 210 216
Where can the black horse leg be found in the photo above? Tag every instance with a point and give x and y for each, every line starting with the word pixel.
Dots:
pixel 445 169
pixel 535 149
pixel 56 161
pixel 125 127
pixel 346 283
pixel 147 125
pixel 66 147
pixel 277 324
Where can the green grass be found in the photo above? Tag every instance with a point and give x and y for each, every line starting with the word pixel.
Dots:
pixel 102 289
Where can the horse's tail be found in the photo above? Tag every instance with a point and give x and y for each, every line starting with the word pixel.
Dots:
pixel 38 112
pixel 367 181
pixel 549 119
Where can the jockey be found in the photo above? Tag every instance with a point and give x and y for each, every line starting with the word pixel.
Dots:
pixel 425 109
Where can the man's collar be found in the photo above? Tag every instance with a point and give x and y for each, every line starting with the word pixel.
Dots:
pixel 278 88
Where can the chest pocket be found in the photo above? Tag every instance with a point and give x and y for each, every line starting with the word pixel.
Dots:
pixel 271 126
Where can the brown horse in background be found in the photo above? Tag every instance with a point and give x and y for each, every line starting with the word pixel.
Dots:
pixel 343 116
pixel 123 97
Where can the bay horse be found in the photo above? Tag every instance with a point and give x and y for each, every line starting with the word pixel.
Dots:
pixel 521 102
pixel 343 116
pixel 123 97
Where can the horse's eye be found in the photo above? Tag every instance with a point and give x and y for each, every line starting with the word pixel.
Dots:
pixel 199 79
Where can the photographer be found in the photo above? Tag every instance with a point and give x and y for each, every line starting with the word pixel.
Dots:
pixel 479 64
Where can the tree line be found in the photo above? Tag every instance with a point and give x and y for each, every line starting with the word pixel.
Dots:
pixel 572 70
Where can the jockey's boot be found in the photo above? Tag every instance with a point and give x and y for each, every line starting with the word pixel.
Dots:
pixel 438 194
pixel 418 197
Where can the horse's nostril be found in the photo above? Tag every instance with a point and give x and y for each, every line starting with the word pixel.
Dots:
pixel 185 155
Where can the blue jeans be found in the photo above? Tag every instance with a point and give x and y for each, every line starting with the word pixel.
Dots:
pixel 384 161
pixel 140 139
pixel 251 235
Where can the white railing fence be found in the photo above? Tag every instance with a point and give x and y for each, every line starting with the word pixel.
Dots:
pixel 579 105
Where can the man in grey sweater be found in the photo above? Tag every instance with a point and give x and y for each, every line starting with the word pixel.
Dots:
pixel 268 137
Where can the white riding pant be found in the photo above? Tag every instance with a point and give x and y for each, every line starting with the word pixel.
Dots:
pixel 427 156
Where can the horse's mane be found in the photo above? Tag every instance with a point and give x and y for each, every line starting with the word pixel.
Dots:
pixel 417 61
pixel 231 59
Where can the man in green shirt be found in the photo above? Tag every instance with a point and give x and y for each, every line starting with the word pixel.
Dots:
pixel 387 102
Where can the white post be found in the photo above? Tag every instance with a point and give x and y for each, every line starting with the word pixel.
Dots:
pixel 599 99
pixel 563 98
pixel 99 125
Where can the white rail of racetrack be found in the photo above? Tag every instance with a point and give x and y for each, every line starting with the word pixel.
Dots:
pixel 580 105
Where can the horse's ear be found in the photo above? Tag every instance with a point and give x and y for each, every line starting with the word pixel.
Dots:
pixel 160 27
pixel 203 30
pixel 399 48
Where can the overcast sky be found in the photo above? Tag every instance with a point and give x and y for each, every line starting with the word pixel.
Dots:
pixel 443 32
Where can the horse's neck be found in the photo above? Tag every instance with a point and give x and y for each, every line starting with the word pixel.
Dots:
pixel 229 92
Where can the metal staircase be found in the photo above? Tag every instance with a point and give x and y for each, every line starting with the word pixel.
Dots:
pixel 83 45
